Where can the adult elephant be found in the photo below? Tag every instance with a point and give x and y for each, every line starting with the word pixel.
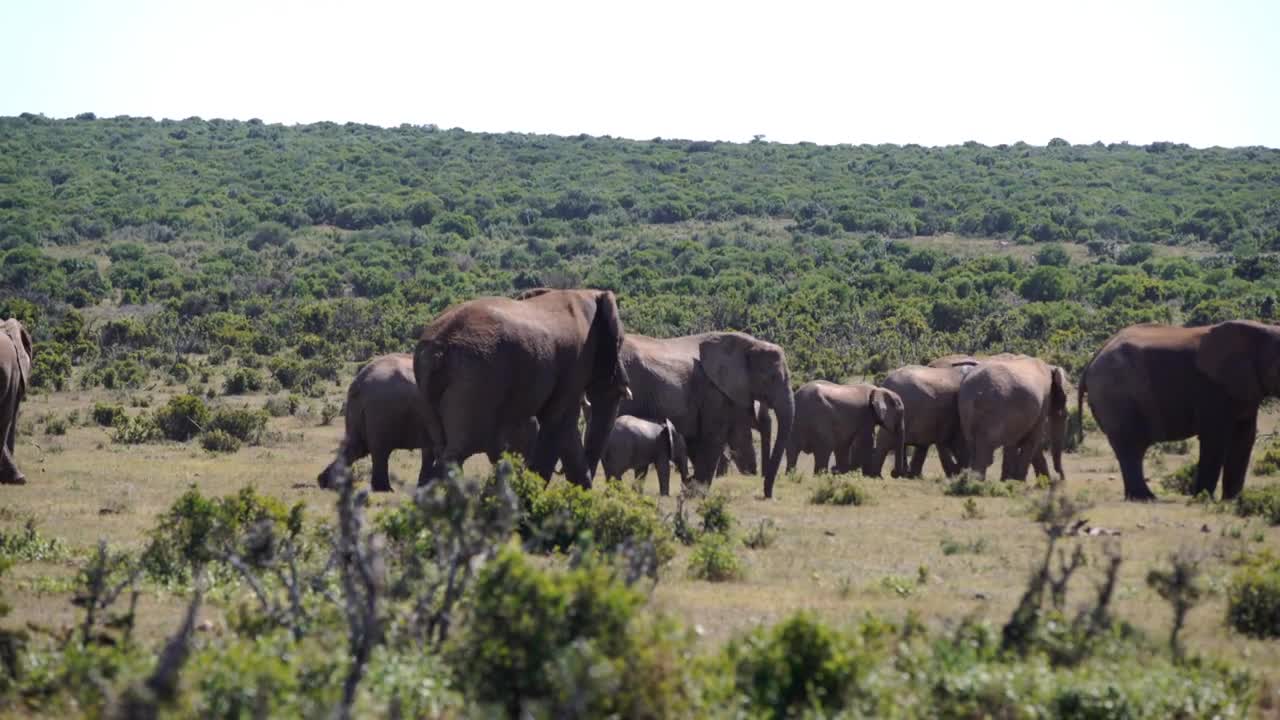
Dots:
pixel 841 419
pixel 956 360
pixel 384 413
pixel 704 384
pixel 930 397
pixel 742 449
pixel 635 444
pixel 1018 403
pixel 1151 383
pixel 487 364
pixel 15 377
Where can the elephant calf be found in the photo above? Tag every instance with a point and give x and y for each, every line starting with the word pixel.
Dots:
pixel 15 376
pixel 635 444
pixel 384 413
pixel 842 419
pixel 1018 403
pixel 929 396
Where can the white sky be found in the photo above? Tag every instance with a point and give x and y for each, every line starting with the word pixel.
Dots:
pixel 933 73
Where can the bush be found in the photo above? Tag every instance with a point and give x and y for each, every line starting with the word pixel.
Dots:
pixel 713 559
pixel 715 514
pixel 968 484
pixel 1182 480
pixel 182 418
pixel 1261 501
pixel 761 536
pixel 108 415
pixel 798 665
pixel 522 618
pixel 197 530
pixel 219 441
pixel 55 426
pixel 244 424
pixel 563 514
pixel 137 430
pixel 1253 598
pixel 29 545
pixel 243 381
pixel 283 406
pixel 1268 463
pixel 838 491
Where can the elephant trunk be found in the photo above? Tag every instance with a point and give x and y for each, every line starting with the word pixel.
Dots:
pixel 764 421
pixel 604 410
pixel 900 448
pixel 1057 442
pixel 783 403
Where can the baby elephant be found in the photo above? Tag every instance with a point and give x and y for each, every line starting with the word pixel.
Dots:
pixel 635 444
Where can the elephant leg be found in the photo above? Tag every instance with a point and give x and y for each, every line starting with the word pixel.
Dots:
pixel 381 479
pixel 948 459
pixel 664 476
pixel 573 458
pixel 9 472
pixel 916 468
pixel 793 455
pixel 981 458
pixel 1040 464
pixel 424 472
pixel 704 468
pixel 1213 450
pixel 1236 463
pixel 821 456
pixel 1130 458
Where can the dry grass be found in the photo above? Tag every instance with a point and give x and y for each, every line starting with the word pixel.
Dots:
pixel 833 560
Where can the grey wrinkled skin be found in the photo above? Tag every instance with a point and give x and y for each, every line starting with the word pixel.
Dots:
pixel 16 352
pixel 635 444
pixel 930 397
pixel 842 419
pixel 1018 403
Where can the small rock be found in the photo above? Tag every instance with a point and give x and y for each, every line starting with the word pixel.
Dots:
pixel 829 533
pixel 205 626
pixel 1204 528
pixel 699 630
pixel 1111 478
pixel 980 596
pixel 1141 526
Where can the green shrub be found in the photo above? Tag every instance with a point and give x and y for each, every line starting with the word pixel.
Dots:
pixel 715 514
pixel 242 382
pixel 798 665
pixel 283 406
pixel 522 618
pixel 1253 597
pixel 714 559
pixel 244 424
pixel 108 415
pixel 1268 463
pixel 562 514
pixel 1182 480
pixel 833 490
pixel 182 418
pixel 136 430
pixel 1261 501
pixel 28 545
pixel 762 535
pixel 197 530
pixel 957 547
pixel 968 484
pixel 55 426
pixel 219 441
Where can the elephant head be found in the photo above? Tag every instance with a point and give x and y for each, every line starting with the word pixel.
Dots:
pixel 609 382
pixel 22 343
pixel 746 369
pixel 676 450
pixel 1244 358
pixel 891 414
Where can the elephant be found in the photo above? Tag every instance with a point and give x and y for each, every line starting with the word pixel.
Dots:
pixel 16 353
pixel 489 363
pixel 1152 383
pixel 742 449
pixel 956 360
pixel 635 444
pixel 704 384
pixel 842 419
pixel 384 413
pixel 929 397
pixel 1016 402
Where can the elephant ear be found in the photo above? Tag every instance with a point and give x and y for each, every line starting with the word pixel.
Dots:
pixel 1228 356
pixel 880 402
pixel 1058 390
pixel 725 363
pixel 607 327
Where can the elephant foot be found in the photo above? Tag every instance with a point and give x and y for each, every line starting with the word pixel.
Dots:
pixel 15 479
pixel 1143 495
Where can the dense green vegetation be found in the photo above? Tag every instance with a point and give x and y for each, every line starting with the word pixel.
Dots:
pixel 278 252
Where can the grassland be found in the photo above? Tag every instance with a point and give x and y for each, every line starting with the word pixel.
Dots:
pixel 913 549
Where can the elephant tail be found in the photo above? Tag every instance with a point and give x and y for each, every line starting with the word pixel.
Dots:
pixel 428 359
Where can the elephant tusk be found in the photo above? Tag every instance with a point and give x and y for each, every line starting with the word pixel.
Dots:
pixel 626 392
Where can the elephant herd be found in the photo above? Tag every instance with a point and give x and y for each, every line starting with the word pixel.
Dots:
pixel 495 374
